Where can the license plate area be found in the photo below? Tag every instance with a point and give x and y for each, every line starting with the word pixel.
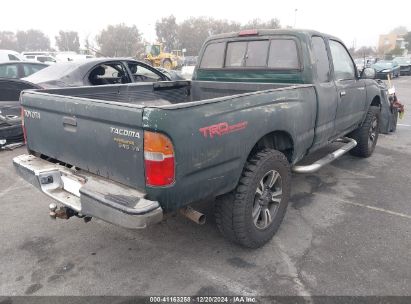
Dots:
pixel 72 184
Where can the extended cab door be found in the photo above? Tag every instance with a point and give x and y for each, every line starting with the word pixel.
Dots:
pixel 350 89
pixel 326 93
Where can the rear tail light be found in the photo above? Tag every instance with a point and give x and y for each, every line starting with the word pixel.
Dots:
pixel 22 125
pixel 158 159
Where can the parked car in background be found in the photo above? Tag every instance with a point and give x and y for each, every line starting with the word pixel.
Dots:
pixel 386 68
pixel 98 71
pixel 405 65
pixel 8 55
pixel 369 61
pixel 20 69
pixel 360 64
pixel 68 74
pixel 171 74
pixel 71 56
pixel 35 53
pixel 187 71
pixel 190 60
pixel 10 122
pixel 41 58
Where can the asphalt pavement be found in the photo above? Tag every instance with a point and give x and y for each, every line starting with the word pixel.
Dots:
pixel 347 231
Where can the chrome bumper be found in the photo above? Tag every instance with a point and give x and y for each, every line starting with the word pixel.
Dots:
pixel 89 194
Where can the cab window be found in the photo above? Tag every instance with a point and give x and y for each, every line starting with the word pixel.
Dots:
pixel 343 65
pixel 249 54
pixel 264 54
pixel 283 54
pixel 321 59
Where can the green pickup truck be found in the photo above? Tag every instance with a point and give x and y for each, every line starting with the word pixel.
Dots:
pixel 259 102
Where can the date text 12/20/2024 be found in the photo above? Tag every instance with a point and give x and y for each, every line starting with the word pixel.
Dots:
pixel 203 299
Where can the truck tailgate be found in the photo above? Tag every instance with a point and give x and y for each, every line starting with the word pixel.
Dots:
pixel 104 138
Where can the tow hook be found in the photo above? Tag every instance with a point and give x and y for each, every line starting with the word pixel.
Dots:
pixel 62 213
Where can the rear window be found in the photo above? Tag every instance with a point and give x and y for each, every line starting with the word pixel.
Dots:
pixel 283 54
pixel 12 57
pixel 235 54
pixel 257 53
pixel 213 56
pixel 274 54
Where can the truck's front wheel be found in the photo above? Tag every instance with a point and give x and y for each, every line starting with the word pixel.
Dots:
pixel 367 134
pixel 259 202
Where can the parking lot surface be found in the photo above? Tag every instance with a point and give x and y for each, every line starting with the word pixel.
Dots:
pixel 347 231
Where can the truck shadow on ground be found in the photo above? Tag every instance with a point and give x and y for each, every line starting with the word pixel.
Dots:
pixel 178 256
pixel 179 248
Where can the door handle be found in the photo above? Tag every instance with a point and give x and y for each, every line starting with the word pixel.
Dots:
pixel 72 121
pixel 342 93
pixel 70 124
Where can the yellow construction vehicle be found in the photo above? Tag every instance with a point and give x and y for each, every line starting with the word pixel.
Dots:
pixel 157 57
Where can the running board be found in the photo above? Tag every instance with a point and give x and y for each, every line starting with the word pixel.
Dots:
pixel 350 143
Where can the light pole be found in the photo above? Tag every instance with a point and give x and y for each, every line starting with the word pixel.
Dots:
pixel 295 17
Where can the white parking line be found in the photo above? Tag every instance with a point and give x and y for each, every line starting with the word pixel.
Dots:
pixel 233 286
pixel 368 207
pixel 403 125
pixel 12 188
pixel 300 288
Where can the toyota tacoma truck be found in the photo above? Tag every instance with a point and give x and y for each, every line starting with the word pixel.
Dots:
pixel 259 102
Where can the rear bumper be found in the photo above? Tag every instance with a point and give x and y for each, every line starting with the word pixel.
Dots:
pixel 88 194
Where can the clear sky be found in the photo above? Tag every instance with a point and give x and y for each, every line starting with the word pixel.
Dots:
pixel 355 22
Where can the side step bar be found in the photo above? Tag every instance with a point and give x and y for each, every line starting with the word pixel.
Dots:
pixel 349 144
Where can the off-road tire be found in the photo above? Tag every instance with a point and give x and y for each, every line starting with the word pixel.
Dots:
pixel 224 216
pixel 167 64
pixel 234 211
pixel 362 134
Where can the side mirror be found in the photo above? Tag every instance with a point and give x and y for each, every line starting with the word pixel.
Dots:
pixel 368 73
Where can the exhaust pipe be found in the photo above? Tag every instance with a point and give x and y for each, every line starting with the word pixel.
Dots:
pixel 195 216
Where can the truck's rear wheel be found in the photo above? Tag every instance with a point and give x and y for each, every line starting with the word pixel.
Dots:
pixel 257 207
pixel 367 134
pixel 167 64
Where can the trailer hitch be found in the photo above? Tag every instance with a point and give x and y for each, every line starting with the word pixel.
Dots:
pixel 62 213
pixel 65 213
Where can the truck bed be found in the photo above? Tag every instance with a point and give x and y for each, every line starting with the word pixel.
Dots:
pixel 100 129
pixel 165 93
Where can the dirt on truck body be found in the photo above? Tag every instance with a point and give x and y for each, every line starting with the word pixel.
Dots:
pixel 259 102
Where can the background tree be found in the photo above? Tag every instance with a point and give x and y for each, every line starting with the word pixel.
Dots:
pixel 167 32
pixel 407 39
pixel 257 23
pixel 68 41
pixel 396 52
pixel 120 40
pixel 32 40
pixel 223 26
pixel 8 40
pixel 365 51
pixel 191 33
pixel 399 30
